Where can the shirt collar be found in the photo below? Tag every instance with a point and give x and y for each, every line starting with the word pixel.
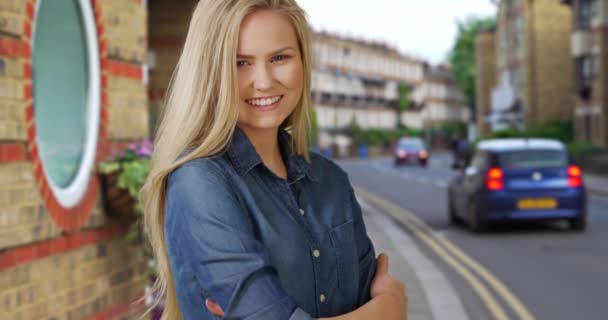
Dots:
pixel 244 157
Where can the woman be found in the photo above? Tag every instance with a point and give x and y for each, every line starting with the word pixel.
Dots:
pixel 245 223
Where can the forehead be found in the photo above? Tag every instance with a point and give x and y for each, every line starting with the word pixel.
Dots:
pixel 264 31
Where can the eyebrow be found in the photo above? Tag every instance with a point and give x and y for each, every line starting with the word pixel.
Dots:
pixel 244 56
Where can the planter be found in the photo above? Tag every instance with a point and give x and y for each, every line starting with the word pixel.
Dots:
pixel 117 202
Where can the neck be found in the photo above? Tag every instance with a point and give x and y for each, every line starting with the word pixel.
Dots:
pixel 266 145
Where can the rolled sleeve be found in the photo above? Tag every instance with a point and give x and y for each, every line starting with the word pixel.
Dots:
pixel 365 251
pixel 208 231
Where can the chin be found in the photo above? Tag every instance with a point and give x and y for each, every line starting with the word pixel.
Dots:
pixel 262 125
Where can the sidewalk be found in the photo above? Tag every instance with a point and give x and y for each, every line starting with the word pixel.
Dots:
pixel 430 294
pixel 596 185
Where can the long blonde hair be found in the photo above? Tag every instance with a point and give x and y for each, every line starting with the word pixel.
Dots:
pixel 201 111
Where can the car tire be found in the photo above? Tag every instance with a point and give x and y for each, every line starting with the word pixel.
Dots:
pixel 578 223
pixel 476 223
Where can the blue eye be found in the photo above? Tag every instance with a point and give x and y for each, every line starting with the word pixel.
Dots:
pixel 279 57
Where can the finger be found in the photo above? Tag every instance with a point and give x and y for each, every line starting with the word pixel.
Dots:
pixel 382 264
pixel 214 308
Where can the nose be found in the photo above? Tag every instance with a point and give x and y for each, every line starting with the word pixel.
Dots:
pixel 263 77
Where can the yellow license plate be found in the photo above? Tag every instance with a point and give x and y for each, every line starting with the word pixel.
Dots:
pixel 539 203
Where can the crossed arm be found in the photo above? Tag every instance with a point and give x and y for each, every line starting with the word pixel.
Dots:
pixel 242 283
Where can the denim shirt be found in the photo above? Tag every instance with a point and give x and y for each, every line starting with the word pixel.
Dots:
pixel 261 246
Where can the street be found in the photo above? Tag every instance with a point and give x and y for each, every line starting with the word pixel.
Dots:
pixel 553 272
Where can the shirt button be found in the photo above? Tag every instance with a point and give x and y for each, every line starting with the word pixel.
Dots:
pixel 302 211
pixel 316 253
pixel 322 298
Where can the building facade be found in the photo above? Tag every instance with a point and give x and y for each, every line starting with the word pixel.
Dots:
pixel 358 79
pixel 73 90
pixel 485 79
pixel 534 80
pixel 589 51
pixel 439 99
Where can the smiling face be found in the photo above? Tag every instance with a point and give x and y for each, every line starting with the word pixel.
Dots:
pixel 269 70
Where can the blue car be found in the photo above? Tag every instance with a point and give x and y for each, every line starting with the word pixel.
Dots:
pixel 518 179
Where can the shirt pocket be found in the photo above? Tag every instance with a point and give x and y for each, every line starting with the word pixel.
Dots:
pixel 345 249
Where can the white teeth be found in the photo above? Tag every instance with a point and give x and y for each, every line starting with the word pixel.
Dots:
pixel 264 102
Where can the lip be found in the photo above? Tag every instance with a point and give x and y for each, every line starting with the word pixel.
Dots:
pixel 268 107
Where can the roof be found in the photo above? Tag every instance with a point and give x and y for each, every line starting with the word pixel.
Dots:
pixel 513 144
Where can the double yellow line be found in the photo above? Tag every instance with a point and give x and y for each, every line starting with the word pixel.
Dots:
pixel 464 265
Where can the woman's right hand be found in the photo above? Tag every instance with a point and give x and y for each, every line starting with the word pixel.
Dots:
pixel 384 285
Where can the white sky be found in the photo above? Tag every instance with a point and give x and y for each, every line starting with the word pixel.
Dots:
pixel 424 28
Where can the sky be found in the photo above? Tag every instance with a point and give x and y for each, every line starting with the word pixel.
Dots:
pixel 423 28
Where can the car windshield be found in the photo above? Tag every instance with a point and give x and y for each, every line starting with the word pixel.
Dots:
pixel 411 145
pixel 528 159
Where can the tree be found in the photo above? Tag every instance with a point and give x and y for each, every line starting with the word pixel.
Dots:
pixel 462 55
pixel 403 102
pixel 313 132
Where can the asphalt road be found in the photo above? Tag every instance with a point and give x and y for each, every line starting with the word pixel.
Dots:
pixel 556 273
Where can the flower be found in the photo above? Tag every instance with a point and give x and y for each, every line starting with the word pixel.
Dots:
pixel 132 166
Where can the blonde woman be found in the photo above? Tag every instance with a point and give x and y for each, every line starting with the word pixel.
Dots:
pixel 244 221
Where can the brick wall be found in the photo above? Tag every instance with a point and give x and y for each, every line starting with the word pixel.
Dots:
pixel 552 62
pixel 168 27
pixel 55 262
pixel 485 78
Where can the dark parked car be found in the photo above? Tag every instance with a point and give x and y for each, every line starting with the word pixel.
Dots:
pixel 518 179
pixel 411 150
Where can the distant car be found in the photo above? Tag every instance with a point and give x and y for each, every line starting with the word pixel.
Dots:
pixel 411 150
pixel 518 179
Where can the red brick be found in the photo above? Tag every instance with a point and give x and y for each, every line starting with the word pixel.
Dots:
pixel 31 133
pixel 60 245
pixel 12 153
pixel 27 91
pixel 29 111
pixel 30 10
pixel 27 29
pixel 27 70
pixel 44 249
pixel 7 260
pixel 104 81
pixel 23 255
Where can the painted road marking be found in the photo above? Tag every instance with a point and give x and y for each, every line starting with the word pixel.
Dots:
pixel 456 258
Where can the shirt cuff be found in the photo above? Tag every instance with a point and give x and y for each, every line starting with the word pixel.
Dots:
pixel 300 314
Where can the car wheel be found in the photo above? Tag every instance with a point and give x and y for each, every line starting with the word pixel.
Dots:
pixel 578 223
pixel 454 219
pixel 476 222
pixel 397 162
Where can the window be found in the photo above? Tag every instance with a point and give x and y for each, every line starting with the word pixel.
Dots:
pixel 530 159
pixel 586 68
pixel 66 85
pixel 584 12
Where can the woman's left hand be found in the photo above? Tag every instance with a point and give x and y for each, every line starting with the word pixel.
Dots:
pixel 214 308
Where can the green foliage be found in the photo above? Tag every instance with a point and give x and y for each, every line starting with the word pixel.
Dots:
pixel 374 136
pixel 404 97
pixel 453 128
pixel 134 167
pixel 583 148
pixel 462 55
pixel 560 129
pixel 313 131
